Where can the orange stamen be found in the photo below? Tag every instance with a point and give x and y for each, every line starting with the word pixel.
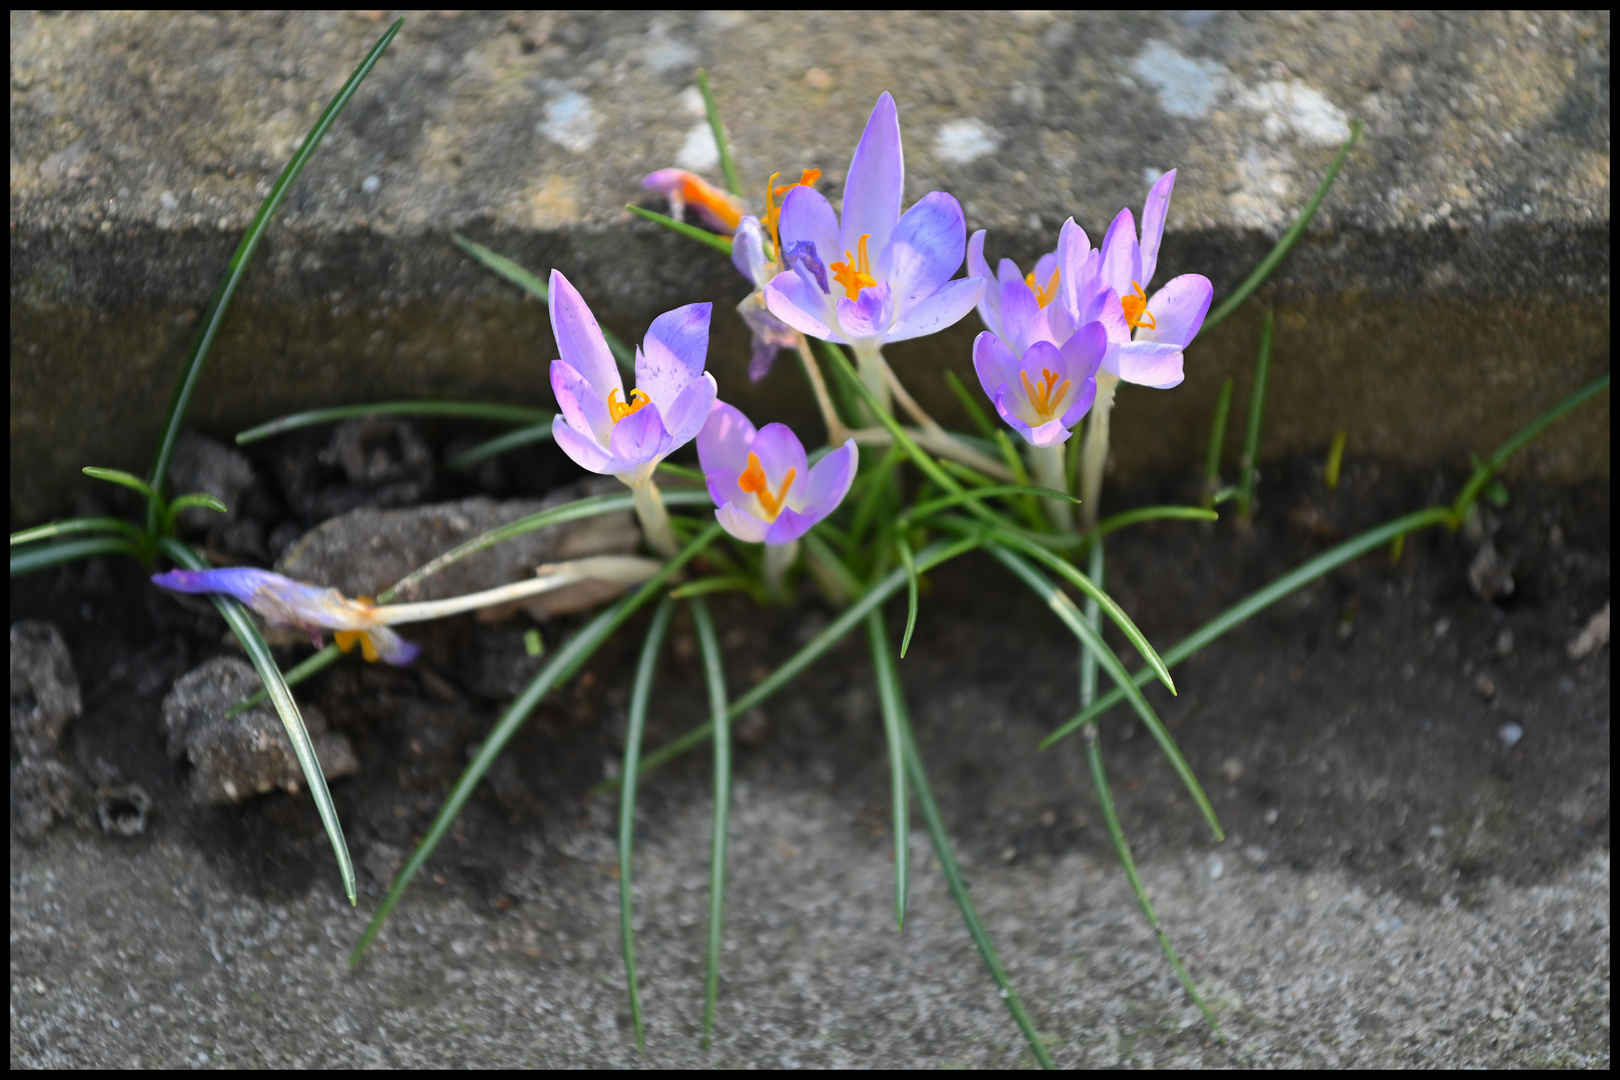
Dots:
pixel 773 213
pixel 1043 294
pixel 753 481
pixel 1044 398
pixel 724 205
pixel 1136 312
pixel 346 640
pixel 855 274
pixel 618 410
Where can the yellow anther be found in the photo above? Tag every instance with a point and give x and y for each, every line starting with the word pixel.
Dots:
pixel 1043 294
pixel 753 481
pixel 1136 312
pixel 773 213
pixel 1044 398
pixel 346 640
pixel 855 273
pixel 618 410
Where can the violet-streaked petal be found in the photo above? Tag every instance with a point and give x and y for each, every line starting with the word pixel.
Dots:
pixel 1121 255
pixel 238 581
pixel 686 414
pixel 723 442
pixel 723 488
pixel 639 437
pixel 779 450
pixel 1178 310
pixel 990 300
pixel 993 363
pixel 673 353
pixel 1150 363
pixel 803 260
pixel 579 339
pixel 1007 270
pixel 1084 350
pixel 808 216
pixel 1154 212
pixel 741 524
pixel 391 648
pixel 926 249
pixel 1073 248
pixel 788 527
pixel 585 412
pixel 761 358
pixel 869 315
pixel 801 305
pixel 875 182
pixel 748 252
pixel 585 451
pixel 1106 309
pixel 947 307
pixel 827 484
pixel 1020 314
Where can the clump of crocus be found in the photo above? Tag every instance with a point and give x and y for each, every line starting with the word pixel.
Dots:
pixel 613 433
pixel 763 486
pixel 719 210
pixel 310 608
pixel 876 275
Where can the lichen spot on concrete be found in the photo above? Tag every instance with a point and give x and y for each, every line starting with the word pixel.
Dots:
pixel 1187 86
pixel 570 122
pixel 962 141
pixel 698 153
pixel 1288 105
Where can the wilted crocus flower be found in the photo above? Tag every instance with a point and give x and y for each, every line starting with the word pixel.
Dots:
pixel 606 431
pixel 310 608
pixel 876 276
pixel 770 334
pixel 760 481
pixel 720 210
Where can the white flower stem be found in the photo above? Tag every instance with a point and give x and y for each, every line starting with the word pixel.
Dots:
pixel 653 516
pixel 1094 454
pixel 778 559
pixel 1047 467
pixel 836 431
pixel 874 373
pixel 941 444
pixel 616 569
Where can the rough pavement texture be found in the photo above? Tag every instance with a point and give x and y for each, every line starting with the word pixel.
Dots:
pixel 1454 283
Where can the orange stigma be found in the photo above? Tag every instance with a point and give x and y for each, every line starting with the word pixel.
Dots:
pixel 855 274
pixel 618 410
pixel 1043 397
pixel 346 640
pixel 773 213
pixel 753 481
pixel 1136 312
pixel 1044 294
pixel 722 204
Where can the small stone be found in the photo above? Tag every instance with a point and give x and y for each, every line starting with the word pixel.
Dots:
pixel 1485 685
pixel 370 184
pixel 1490 575
pixel 1510 734
pixel 819 79
pixel 1232 769
pixel 1504 642
pixel 1272 815
pixel 44 688
pixel 1593 636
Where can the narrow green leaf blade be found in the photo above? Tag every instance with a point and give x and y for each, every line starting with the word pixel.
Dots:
pixel 727 166
pixel 70 526
pixel 893 705
pixel 466 410
pixel 500 445
pixel 39 558
pixel 715 677
pixel 910 567
pixel 121 478
pixel 691 232
pixel 1154 513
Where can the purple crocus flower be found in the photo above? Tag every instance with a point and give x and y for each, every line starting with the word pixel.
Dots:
pixel 877 275
pixel 601 428
pixel 1041 389
pixel 760 482
pixel 310 608
pixel 770 334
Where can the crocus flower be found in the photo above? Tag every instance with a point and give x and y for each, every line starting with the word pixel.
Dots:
pixel 1041 389
pixel 310 608
pixel 877 275
pixel 601 427
pixel 760 481
pixel 720 210
pixel 770 334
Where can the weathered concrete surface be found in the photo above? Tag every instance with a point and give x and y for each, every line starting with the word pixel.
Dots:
pixel 1455 283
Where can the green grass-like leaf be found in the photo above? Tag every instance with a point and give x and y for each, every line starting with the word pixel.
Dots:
pixel 1154 513
pixel 39 558
pixel 306 669
pixel 909 565
pixel 721 244
pixel 640 693
pixel 715 677
pixel 219 305
pixel 467 410
pixel 1288 239
pixel 562 666
pixel 122 479
pixel 75 525
pixel 892 701
pixel 500 445
pixel 1217 438
pixel 712 110
pixel 1257 408
pixel 970 405
pixel 236 617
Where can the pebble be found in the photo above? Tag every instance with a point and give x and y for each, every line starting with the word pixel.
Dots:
pixel 1510 734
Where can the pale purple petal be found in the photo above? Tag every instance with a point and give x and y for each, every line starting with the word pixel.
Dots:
pixel 876 180
pixel 673 353
pixel 803 260
pixel 990 301
pixel 579 339
pixel 1045 266
pixel 1082 403
pixel 723 443
pixel 1050 433
pixel 1178 310
pixel 769 334
pixel 788 527
pixel 926 249
pixel 1121 256
pixel 587 453
pixel 391 648
pixel 801 305
pixel 748 252
pixel 827 484
pixel 808 216
pixel 1106 309
pixel 1083 352
pixel 639 437
pixel 741 524
pixel 1020 314
pixel 1008 401
pixel 686 414
pixel 1075 268
pixel 779 450
pixel 1150 363
pixel 585 412
pixel 869 315
pixel 947 307
pixel 994 363
pixel 1153 215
